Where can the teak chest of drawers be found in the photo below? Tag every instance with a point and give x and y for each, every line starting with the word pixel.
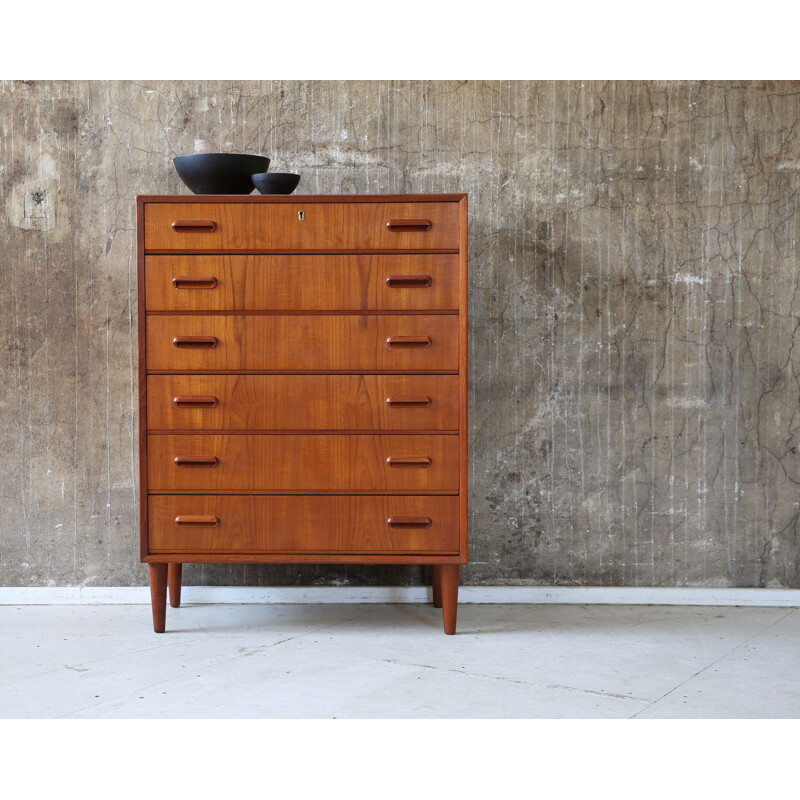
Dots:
pixel 302 383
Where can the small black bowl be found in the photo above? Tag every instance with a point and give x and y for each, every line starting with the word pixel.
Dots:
pixel 219 173
pixel 275 182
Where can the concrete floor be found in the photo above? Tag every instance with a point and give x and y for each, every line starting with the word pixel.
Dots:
pixel 393 661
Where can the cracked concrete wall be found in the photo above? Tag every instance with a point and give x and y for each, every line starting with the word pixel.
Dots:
pixel 634 309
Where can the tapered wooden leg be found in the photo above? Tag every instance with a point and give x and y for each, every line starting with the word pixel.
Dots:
pixel 437 586
pixel 158 596
pixel 174 583
pixel 448 579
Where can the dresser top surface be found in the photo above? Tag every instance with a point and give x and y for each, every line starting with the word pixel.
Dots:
pixel 301 198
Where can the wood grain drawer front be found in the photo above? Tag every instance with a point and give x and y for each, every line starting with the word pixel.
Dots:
pixel 326 343
pixel 323 226
pixel 303 524
pixel 418 282
pixel 303 402
pixel 297 463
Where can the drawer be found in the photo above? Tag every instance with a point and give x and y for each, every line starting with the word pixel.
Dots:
pixel 418 282
pixel 300 225
pixel 325 343
pixel 302 524
pixel 302 402
pixel 297 463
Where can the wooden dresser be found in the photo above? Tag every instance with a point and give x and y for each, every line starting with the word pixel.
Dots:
pixel 302 383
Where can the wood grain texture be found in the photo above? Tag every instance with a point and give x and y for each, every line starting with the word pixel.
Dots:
pixel 200 200
pixel 463 368
pixel 448 588
pixel 141 367
pixel 324 343
pixel 436 586
pixel 308 282
pixel 215 322
pixel 303 402
pixel 158 595
pixel 174 577
pixel 229 496
pixel 375 559
pixel 300 463
pixel 325 226
pixel 303 524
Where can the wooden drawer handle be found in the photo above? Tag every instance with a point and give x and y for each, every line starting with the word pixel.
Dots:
pixel 416 522
pixel 194 225
pixel 409 461
pixel 196 461
pixel 195 282
pixel 206 522
pixel 408 281
pixel 408 401
pixel 408 341
pixel 195 341
pixel 409 224
pixel 195 401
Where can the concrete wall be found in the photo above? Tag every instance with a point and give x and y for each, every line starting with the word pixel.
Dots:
pixel 634 309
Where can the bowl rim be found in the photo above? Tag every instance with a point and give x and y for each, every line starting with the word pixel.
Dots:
pixel 275 174
pixel 234 155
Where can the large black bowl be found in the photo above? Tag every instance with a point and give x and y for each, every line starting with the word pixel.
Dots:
pixel 219 173
pixel 275 182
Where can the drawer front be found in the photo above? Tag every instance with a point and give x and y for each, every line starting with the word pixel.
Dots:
pixel 323 226
pixel 296 463
pixel 419 282
pixel 325 343
pixel 303 402
pixel 303 524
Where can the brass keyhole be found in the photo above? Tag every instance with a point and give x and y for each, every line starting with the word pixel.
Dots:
pixel 301 215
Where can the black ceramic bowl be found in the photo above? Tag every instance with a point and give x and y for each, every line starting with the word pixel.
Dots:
pixel 275 182
pixel 219 173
